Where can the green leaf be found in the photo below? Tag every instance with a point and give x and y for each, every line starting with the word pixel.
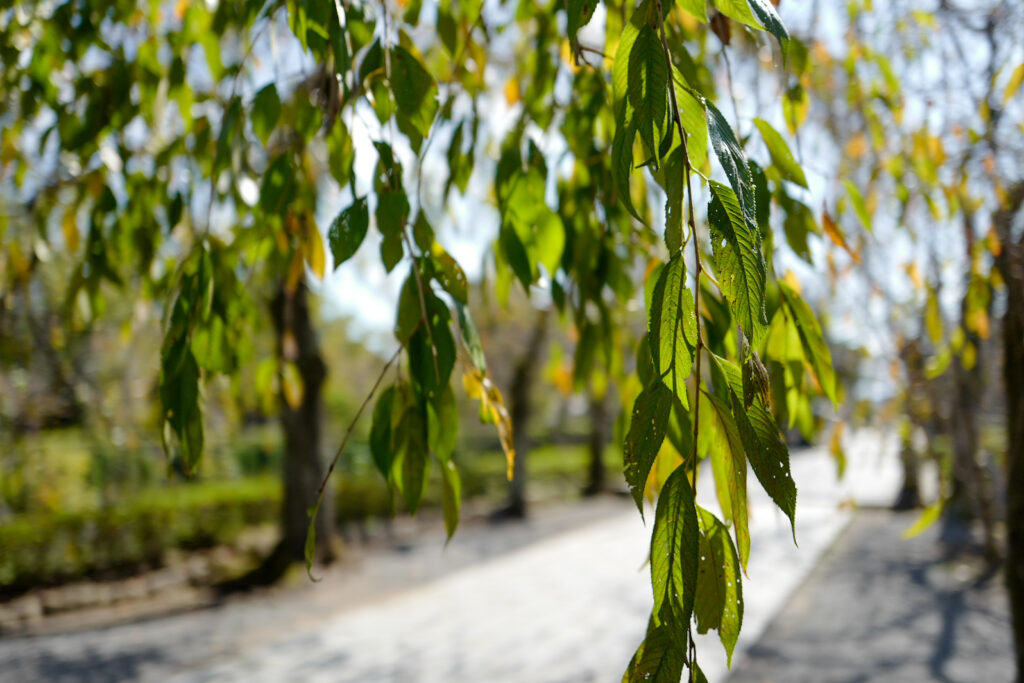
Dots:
pixel 471 338
pixel 451 495
pixel 646 433
pixel 697 8
pixel 443 424
pixel 798 224
pixel 210 345
pixel 179 398
pixel 738 10
pixel 769 18
pixel 449 274
pixel 410 468
pixel 728 465
pixel 739 262
pixel 515 255
pixel 719 600
pixel 647 88
pixel 661 657
pixel 672 327
pixel 675 184
pixel 860 207
pixel 815 350
pixel 392 212
pixel 734 163
pixel 266 109
pixel 432 355
pixel 768 455
pixel 531 233
pixel 674 549
pixel 278 186
pixel 580 12
pixel 410 312
pixel 621 63
pixel 781 156
pixel 414 89
pixel 761 198
pixel 340 153
pixel 622 165
pixel 348 230
pixel 380 431
pixel 694 118
pixel 625 121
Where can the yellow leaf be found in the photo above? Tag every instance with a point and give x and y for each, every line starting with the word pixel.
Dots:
pixel 933 318
pixel 914 273
pixel 857 147
pixel 928 517
pixel 995 246
pixel 1016 78
pixel 291 384
pixel 492 409
pixel 70 226
pixel 313 246
pixel 295 271
pixel 969 356
pixel 562 379
pixel 512 91
pixel 978 323
pixel 836 448
pixel 790 279
pixel 836 235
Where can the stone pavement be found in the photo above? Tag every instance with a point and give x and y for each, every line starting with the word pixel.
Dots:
pixel 880 608
pixel 571 607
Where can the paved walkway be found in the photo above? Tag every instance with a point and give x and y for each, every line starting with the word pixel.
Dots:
pixel 569 608
pixel 880 608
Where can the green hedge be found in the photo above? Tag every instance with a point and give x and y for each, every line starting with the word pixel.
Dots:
pixel 44 548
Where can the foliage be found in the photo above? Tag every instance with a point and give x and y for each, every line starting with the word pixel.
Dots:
pixel 42 548
pixel 195 180
pixel 140 528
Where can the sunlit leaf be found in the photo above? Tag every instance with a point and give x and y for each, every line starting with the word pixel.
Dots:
pixel 674 549
pixel 646 432
pixel 781 156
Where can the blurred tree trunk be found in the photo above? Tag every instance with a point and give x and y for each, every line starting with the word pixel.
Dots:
pixel 917 411
pixel 596 441
pixel 304 466
pixel 1011 264
pixel 971 496
pixel 523 378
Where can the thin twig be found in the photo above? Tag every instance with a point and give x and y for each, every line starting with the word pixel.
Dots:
pixel 693 232
pixel 425 316
pixel 352 424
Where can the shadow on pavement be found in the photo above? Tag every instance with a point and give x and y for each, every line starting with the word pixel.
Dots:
pixel 879 607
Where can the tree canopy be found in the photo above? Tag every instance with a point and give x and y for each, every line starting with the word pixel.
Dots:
pixel 202 155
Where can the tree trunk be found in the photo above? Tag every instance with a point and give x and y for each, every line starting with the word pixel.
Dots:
pixel 597 439
pixel 521 410
pixel 971 496
pixel 304 466
pixel 1011 263
pixel 909 496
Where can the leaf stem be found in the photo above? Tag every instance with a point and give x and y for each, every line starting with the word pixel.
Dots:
pixel 693 231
